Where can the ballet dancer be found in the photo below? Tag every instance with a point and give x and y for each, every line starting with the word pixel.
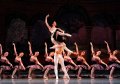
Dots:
pixel 59 47
pixel 34 63
pixel 98 63
pixel 113 61
pixel 49 62
pixel 81 62
pixel 18 61
pixel 4 62
pixel 54 29
pixel 69 63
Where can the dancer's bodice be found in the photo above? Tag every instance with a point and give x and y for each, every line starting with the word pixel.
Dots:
pixel 112 59
pixel 80 60
pixel 96 60
pixel 17 59
pixel 3 60
pixel 53 29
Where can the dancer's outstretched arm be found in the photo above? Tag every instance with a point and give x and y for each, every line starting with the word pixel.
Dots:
pixel 46 22
pixel 72 62
pixel 76 46
pixel 54 46
pixel 1 50
pixel 68 57
pixel 118 61
pixel 46 52
pixel 22 64
pixel 15 51
pixel 92 50
pixel 8 62
pixel 108 48
pixel 85 62
pixel 30 49
pixel 39 63
pixel 51 54
pixel 68 50
pixel 104 63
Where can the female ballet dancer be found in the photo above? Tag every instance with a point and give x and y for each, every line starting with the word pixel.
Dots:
pixel 59 47
pixel 113 61
pixel 4 62
pixel 18 61
pixel 49 62
pixel 54 29
pixel 98 63
pixel 34 63
pixel 69 63
pixel 81 62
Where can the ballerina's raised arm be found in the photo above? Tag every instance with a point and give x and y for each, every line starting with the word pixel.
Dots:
pixel 15 51
pixel 46 52
pixel 1 50
pixel 30 49
pixel 92 50
pixel 76 46
pixel 46 22
pixel 108 48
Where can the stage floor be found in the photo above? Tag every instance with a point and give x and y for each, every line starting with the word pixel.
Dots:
pixel 60 81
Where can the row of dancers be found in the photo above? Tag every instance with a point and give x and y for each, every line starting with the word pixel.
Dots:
pixel 60 55
pixel 80 64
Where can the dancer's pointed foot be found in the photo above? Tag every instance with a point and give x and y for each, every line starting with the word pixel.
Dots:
pixel 110 77
pixel 69 35
pixel 12 77
pixel 56 78
pixel 78 77
pixel 29 78
pixel 45 77
pixel 66 77
pixel 92 77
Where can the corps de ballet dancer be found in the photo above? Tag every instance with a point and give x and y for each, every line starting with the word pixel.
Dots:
pixel 49 61
pixel 81 62
pixel 113 61
pixel 4 62
pixel 98 64
pixel 59 47
pixel 69 63
pixel 18 61
pixel 34 63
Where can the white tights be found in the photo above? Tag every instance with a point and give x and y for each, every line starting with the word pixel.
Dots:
pixel 59 58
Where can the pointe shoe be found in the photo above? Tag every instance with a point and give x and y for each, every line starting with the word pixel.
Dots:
pixel 56 78
pixel 29 77
pixel 45 77
pixel 92 77
pixel 110 77
pixel 12 77
pixel 66 77
pixel 78 77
